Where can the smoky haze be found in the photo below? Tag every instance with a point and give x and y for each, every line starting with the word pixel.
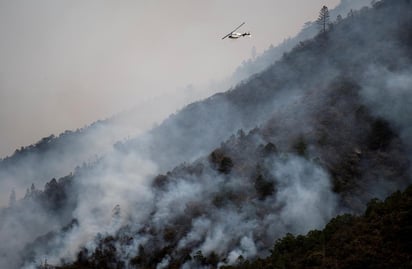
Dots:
pixel 118 191
pixel 67 63
pixel 139 113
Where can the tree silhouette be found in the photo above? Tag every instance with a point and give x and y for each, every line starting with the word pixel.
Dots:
pixel 339 18
pixel 12 199
pixel 323 19
pixel 32 188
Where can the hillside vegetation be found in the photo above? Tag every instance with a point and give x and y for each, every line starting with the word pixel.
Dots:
pixel 319 133
pixel 380 238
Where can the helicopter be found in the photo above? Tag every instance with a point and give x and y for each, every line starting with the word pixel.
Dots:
pixel 236 35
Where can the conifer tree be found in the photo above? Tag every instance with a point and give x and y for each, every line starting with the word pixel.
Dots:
pixel 323 19
pixel 12 199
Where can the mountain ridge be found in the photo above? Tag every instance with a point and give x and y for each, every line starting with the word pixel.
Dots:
pixel 27 159
pixel 321 146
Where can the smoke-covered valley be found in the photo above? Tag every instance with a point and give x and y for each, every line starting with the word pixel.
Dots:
pixel 321 131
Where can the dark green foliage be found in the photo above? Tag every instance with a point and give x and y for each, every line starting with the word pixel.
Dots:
pixel 323 19
pixel 140 259
pixel 169 234
pixel 263 187
pixel 212 259
pixel 269 149
pixel 227 197
pixel 346 172
pixel 220 161
pixel 104 257
pixel 300 146
pixel 381 238
pixel 226 165
pixel 380 135
pixel 199 258
pixel 160 181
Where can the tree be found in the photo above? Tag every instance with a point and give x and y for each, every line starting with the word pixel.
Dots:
pixel 27 195
pixel 33 188
pixel 323 19
pixel 12 199
pixel 351 14
pixel 116 216
pixel 339 18
pixel 254 53
pixel 116 212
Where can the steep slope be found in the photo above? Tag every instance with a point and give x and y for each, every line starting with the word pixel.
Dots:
pixel 380 238
pixel 356 50
pixel 329 118
pixel 37 214
pixel 309 30
pixel 323 145
pixel 248 192
pixel 57 156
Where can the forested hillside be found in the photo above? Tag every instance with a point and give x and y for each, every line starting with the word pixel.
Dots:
pixel 57 155
pixel 380 238
pixel 54 156
pixel 309 30
pixel 319 133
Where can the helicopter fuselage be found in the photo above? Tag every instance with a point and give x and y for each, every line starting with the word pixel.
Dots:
pixel 236 35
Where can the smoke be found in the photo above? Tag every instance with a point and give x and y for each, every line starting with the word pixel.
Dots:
pixel 56 157
pixel 96 140
pixel 22 224
pixel 225 210
pixel 66 65
pixel 215 213
pixel 303 201
pixel 119 185
pixel 389 94
pixel 60 74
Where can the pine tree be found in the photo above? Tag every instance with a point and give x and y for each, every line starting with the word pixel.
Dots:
pixel 116 216
pixel 339 18
pixel 27 195
pixel 323 19
pixel 12 199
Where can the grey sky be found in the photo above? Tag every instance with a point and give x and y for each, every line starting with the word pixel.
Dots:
pixel 65 64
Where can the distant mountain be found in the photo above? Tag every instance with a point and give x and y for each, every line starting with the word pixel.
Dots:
pixel 318 133
pixel 54 157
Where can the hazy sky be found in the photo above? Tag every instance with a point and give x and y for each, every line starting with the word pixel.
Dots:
pixel 64 64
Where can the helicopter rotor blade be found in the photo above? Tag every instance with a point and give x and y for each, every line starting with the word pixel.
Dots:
pixel 227 35
pixel 233 30
pixel 239 27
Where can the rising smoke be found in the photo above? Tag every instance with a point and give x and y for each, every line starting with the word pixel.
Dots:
pixel 199 207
